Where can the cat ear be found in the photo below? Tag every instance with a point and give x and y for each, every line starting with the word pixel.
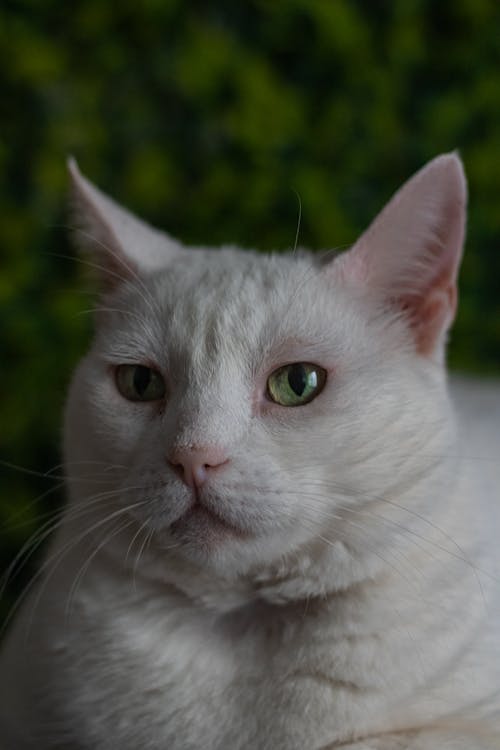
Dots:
pixel 122 245
pixel 410 254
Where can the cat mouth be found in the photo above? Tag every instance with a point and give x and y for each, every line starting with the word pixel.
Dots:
pixel 200 519
pixel 203 522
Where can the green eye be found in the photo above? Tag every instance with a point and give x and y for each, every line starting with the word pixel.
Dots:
pixel 139 383
pixel 295 385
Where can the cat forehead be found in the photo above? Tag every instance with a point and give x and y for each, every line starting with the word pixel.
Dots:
pixel 229 301
pixel 200 282
pixel 232 271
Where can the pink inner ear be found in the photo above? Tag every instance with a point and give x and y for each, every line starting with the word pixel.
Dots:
pixel 410 254
pixel 430 316
pixel 431 307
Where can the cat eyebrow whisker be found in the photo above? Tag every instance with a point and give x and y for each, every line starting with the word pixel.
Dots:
pixel 299 218
pixel 146 295
pixel 309 275
pixel 142 290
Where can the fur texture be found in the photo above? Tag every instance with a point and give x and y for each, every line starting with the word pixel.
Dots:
pixel 232 573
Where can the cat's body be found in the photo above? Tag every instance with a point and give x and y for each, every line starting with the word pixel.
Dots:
pixel 337 580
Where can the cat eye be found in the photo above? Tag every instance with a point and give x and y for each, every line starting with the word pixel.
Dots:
pixel 295 384
pixel 139 383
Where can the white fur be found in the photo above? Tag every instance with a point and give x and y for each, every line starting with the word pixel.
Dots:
pixel 360 602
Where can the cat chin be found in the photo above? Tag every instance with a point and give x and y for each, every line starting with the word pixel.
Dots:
pixel 209 562
pixel 213 547
pixel 200 524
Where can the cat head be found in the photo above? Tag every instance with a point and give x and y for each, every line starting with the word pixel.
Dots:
pixel 242 411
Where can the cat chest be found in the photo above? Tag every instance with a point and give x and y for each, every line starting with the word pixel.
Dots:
pixel 168 677
pixel 177 683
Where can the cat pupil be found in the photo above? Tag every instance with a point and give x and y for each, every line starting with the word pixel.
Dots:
pixel 142 378
pixel 297 379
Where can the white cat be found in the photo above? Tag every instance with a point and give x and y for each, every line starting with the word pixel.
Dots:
pixel 277 537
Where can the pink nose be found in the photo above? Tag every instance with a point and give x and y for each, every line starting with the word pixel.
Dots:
pixel 193 465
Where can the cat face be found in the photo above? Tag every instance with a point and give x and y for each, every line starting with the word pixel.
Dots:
pixel 251 407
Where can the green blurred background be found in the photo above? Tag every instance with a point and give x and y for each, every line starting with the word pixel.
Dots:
pixel 207 119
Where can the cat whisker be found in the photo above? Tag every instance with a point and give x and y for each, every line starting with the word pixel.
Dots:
pixel 25 470
pixel 120 259
pixel 127 313
pixel 380 519
pixel 84 568
pixel 141 528
pixel 371 549
pixel 55 560
pixel 414 535
pixel 61 516
pixel 141 289
pixel 87 462
pixel 147 538
pixel 299 218
pixel 365 534
pixel 13 523
pixel 72 513
pixel 459 554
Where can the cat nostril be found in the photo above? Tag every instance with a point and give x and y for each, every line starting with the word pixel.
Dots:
pixel 193 465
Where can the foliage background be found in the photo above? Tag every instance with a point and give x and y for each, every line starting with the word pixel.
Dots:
pixel 205 118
